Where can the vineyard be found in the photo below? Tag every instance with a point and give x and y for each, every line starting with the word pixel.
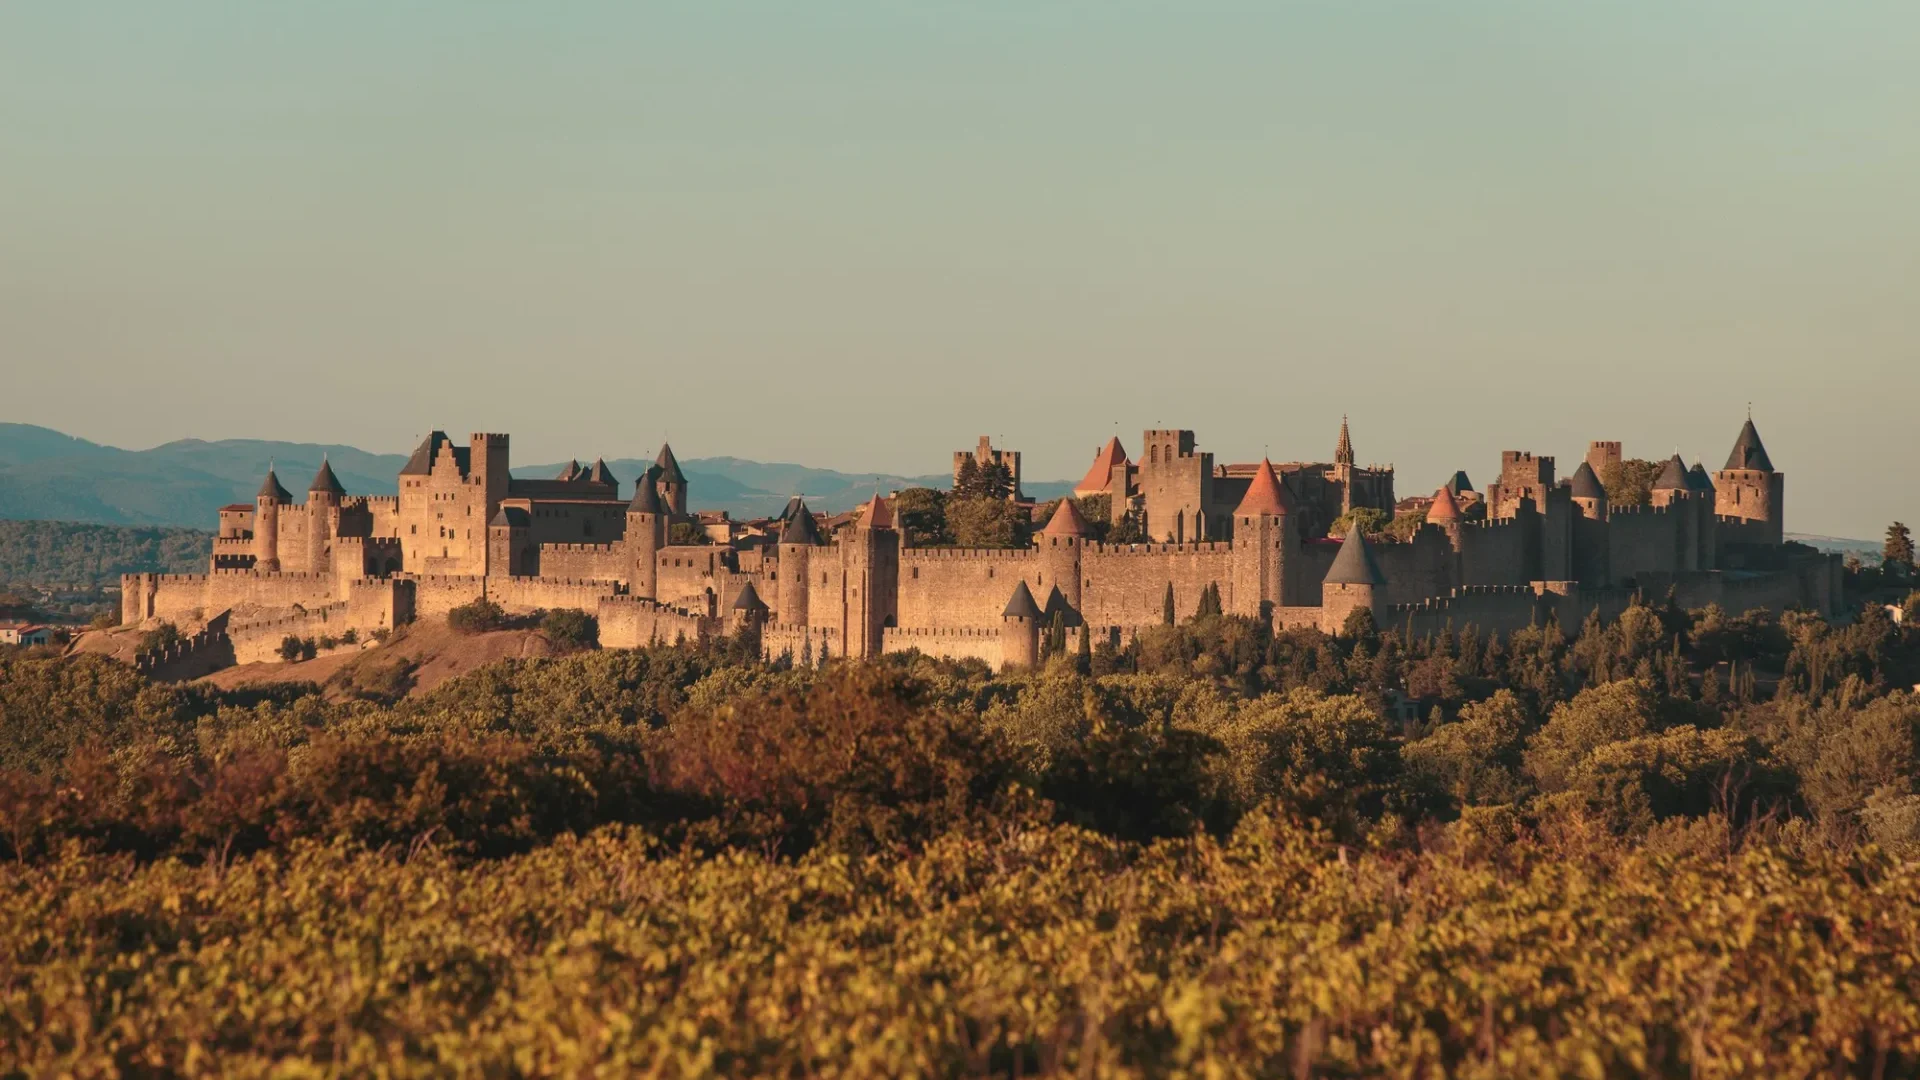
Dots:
pixel 1685 844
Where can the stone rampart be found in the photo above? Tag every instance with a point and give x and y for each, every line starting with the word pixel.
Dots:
pixel 950 644
pixel 629 622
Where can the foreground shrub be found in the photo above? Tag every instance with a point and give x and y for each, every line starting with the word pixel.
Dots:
pixel 478 617
pixel 1048 951
pixel 570 629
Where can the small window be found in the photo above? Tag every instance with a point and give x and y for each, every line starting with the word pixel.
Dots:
pixel 916 573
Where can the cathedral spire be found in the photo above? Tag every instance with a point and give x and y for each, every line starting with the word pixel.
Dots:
pixel 1343 450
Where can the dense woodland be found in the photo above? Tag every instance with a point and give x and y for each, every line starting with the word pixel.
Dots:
pixel 1687 843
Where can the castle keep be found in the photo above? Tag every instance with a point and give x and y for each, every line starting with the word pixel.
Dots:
pixel 462 528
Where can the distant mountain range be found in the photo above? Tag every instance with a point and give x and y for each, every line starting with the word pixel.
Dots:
pixel 47 475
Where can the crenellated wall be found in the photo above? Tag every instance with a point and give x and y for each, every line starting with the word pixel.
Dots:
pixel 801 642
pixel 957 643
pixel 521 595
pixel 628 622
pixel 436 594
pixel 602 562
pixel 959 587
pixel 1125 585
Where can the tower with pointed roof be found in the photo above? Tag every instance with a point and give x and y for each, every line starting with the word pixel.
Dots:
pixel 748 612
pixel 1749 490
pixel 1061 546
pixel 1354 581
pixel 870 552
pixel 1265 545
pixel 672 482
pixel 1020 630
pixel 646 535
pixel 266 523
pixel 794 574
pixel 323 517
pixel 1671 484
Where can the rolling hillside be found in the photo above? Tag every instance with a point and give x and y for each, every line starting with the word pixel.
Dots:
pixel 47 475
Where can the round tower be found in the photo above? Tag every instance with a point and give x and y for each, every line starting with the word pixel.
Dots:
pixel 1588 493
pixel 1353 582
pixel 1263 539
pixel 266 523
pixel 323 518
pixel 1020 630
pixel 748 613
pixel 1749 489
pixel 671 481
pixel 1060 544
pixel 646 535
pixel 797 540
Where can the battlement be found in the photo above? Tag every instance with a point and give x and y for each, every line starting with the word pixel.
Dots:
pixel 277 575
pixel 301 619
pixel 929 633
pixel 1190 548
pixel 923 554
pixel 1648 510
pixel 488 438
pixel 581 549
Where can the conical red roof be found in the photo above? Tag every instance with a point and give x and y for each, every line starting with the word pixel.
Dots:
pixel 1099 476
pixel 1266 495
pixel 876 515
pixel 1444 511
pixel 1066 521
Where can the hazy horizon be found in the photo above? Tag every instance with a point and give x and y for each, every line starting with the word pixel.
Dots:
pixel 857 236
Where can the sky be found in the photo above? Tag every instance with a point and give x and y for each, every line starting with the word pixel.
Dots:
pixel 859 235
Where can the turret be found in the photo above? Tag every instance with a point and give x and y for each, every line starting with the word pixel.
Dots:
pixel 872 558
pixel 1749 489
pixel 646 535
pixel 266 523
pixel 1061 543
pixel 1444 512
pixel 1353 582
pixel 748 613
pixel 1264 545
pixel 323 517
pixel 1671 485
pixel 1587 492
pixel 510 550
pixel 1020 630
pixel 798 539
pixel 672 482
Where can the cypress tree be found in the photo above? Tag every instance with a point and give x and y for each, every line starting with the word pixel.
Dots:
pixel 1166 606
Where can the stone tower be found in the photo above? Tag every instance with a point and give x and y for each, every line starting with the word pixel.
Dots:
pixel 509 552
pixel 871 548
pixel 672 482
pixel 1020 630
pixel 266 523
pixel 1672 484
pixel 646 535
pixel 749 612
pixel 797 540
pixel 1748 489
pixel 1353 582
pixel 1444 512
pixel 1264 542
pixel 1343 465
pixel 1588 494
pixel 1061 544
pixel 323 517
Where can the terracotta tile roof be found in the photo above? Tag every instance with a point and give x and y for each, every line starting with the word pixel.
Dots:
pixel 1099 475
pixel 1266 495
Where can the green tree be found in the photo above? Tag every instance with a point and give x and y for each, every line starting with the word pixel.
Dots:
pixel 1371 522
pixel 1404 526
pixel 966 482
pixel 996 481
pixel 571 630
pixel 1897 553
pixel 687 534
pixel 1167 614
pixel 979 521
pixel 922 516
pixel 1630 482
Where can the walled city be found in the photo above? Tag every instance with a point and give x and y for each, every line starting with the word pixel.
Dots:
pixel 1255 537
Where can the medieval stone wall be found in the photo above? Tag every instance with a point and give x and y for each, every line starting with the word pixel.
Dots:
pixel 957 643
pixel 961 587
pixel 1125 585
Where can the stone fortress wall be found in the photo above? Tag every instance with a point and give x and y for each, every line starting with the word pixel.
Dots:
pixel 462 528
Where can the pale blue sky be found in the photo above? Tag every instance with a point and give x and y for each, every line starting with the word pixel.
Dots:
pixel 858 235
